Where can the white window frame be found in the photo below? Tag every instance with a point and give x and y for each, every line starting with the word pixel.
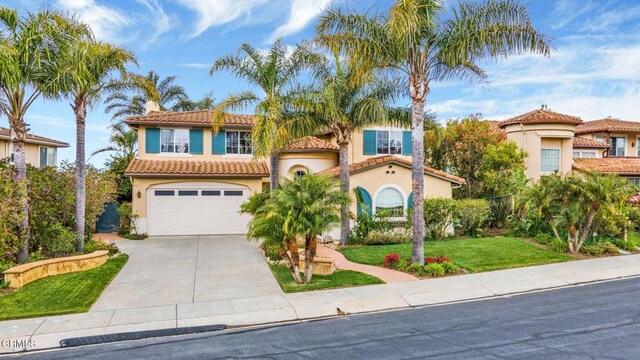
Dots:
pixel 48 163
pixel 239 132
pixel 638 146
pixel 542 169
pixel 402 194
pixel 175 131
pixel 397 136
pixel 614 151
pixel 634 179
pixel 592 154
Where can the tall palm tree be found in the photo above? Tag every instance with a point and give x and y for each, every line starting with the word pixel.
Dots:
pixel 32 48
pixel 90 65
pixel 274 72
pixel 147 88
pixel 343 102
pixel 417 38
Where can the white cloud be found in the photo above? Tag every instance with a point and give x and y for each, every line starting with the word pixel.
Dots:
pixel 106 22
pixel 567 11
pixel 302 12
pixel 609 20
pixel 194 65
pixel 219 12
pixel 159 20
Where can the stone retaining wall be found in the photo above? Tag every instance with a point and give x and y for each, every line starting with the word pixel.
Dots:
pixel 19 276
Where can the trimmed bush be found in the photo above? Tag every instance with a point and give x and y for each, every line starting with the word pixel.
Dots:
pixel 543 238
pixel 625 245
pixel 450 268
pixel 439 216
pixel 91 246
pixel 60 241
pixel 395 236
pixel 434 270
pixel 472 215
pixel 417 269
pixel 559 246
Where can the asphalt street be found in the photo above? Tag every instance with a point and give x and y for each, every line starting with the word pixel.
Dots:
pixel 599 321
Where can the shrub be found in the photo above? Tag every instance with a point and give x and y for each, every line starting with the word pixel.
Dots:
pixel 450 268
pixel 472 215
pixel 543 238
pixel 135 236
pixel 395 236
pixel 365 224
pixel 271 251
pixel 439 216
pixel 625 245
pixel 608 248
pixel 91 246
pixel 402 265
pixel 416 269
pixel 10 214
pixel 559 246
pixel 434 270
pixel 439 259
pixel 501 208
pixel 60 241
pixel 391 260
pixel 593 250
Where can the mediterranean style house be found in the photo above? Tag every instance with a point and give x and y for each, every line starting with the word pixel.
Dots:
pixel 190 180
pixel 560 143
pixel 40 151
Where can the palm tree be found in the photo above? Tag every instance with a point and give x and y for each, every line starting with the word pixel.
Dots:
pixel 343 103
pixel 32 48
pixel 147 88
pixel 124 142
pixel 274 72
pixel 417 38
pixel 207 102
pixel 90 68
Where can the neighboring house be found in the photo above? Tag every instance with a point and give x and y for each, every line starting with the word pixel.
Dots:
pixel 560 143
pixel 40 151
pixel 189 180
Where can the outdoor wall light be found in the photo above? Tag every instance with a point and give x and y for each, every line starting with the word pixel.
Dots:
pixel 633 144
pixel 139 194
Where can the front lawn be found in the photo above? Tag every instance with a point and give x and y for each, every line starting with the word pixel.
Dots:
pixel 60 294
pixel 475 255
pixel 340 278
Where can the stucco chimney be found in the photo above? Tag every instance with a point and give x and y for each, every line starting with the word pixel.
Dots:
pixel 152 106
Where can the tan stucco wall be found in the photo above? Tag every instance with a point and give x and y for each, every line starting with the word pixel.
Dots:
pixel 32 152
pixel 356 147
pixel 532 138
pixel 4 149
pixel 290 162
pixel 631 148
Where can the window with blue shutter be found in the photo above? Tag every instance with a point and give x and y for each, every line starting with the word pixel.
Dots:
pixel 195 141
pixel 218 143
pixel 364 201
pixel 152 140
pixel 369 142
pixel 406 143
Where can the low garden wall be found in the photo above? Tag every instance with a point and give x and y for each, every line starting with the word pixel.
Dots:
pixel 20 275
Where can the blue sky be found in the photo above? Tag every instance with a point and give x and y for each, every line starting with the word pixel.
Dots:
pixel 593 71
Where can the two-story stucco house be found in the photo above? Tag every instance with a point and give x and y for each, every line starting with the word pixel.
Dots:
pixel 189 180
pixel 40 151
pixel 561 143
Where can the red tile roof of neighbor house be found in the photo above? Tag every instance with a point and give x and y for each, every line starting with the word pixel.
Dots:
pixel 608 125
pixel 310 144
pixel 620 166
pixel 5 134
pixel 542 116
pixel 583 143
pixel 191 118
pixel 143 167
pixel 378 161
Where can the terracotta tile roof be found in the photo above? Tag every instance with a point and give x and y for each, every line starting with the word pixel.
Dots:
pixel 142 167
pixel 5 134
pixel 608 125
pixel 542 116
pixel 310 143
pixel 579 142
pixel 192 118
pixel 495 125
pixel 620 166
pixel 375 162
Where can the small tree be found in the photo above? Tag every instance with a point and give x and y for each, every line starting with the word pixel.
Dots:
pixel 302 209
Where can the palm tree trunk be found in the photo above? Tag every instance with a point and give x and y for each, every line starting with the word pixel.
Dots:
pixel 294 261
pixel 273 176
pixel 311 245
pixel 81 112
pixel 417 178
pixel 18 134
pixel 344 187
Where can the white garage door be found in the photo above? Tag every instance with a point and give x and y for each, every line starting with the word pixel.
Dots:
pixel 196 209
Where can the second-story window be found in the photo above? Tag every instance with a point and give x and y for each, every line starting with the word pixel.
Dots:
pixel 174 141
pixel 47 156
pixel 618 145
pixel 239 142
pixel 389 142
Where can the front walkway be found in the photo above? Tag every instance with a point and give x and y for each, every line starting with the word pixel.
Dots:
pixel 47 332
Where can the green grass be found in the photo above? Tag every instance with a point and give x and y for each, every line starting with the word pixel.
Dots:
pixel 60 294
pixel 634 237
pixel 340 278
pixel 475 255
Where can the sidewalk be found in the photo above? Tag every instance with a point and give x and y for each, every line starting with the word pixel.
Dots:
pixel 47 332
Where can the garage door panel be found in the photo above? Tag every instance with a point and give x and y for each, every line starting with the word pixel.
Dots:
pixel 200 210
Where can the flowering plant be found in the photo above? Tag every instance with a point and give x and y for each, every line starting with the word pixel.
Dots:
pixel 391 260
pixel 439 259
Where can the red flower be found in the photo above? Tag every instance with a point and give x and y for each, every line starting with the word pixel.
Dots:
pixel 391 260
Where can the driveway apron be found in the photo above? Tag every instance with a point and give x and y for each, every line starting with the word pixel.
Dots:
pixel 189 269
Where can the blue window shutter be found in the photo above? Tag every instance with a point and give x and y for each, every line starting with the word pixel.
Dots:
pixel 406 143
pixel 195 141
pixel 152 140
pixel 369 141
pixel 218 142
pixel 410 201
pixel 366 203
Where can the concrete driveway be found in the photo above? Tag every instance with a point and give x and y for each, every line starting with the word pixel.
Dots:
pixel 189 269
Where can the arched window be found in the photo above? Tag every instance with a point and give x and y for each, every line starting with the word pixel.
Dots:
pixel 300 173
pixel 390 202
